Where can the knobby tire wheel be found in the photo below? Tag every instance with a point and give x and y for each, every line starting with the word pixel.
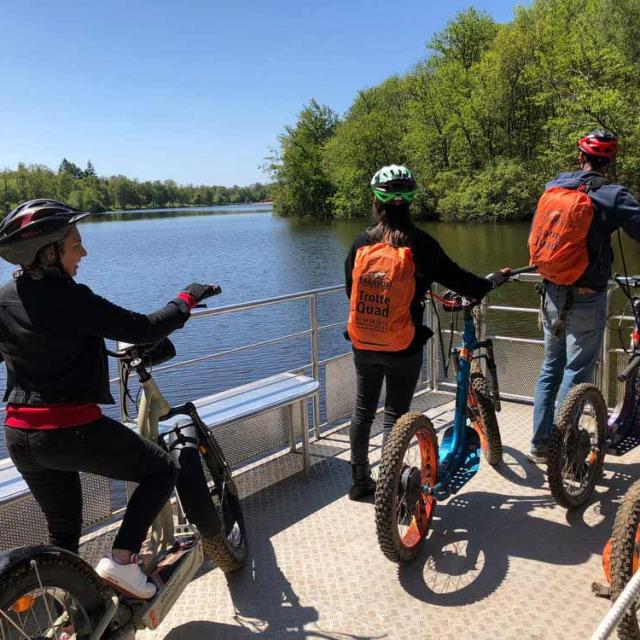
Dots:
pixel 209 499
pixel 61 597
pixel 228 548
pixel 576 446
pixel 625 549
pixel 483 418
pixel 403 511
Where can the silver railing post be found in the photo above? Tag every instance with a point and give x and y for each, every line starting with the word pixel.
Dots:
pixel 604 358
pixel 434 373
pixel 427 376
pixel 624 601
pixel 315 367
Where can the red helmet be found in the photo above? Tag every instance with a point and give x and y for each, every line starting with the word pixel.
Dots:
pixel 599 143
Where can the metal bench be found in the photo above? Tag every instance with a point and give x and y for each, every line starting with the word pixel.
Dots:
pixel 259 417
pixel 249 421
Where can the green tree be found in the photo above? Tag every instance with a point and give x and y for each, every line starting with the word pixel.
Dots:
pixel 90 171
pixel 301 185
pixel 495 110
pixel 86 190
pixel 70 168
pixel 370 136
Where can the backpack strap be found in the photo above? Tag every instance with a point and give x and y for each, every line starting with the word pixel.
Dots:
pixel 592 184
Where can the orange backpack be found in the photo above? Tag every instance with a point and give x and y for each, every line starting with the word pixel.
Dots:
pixel 381 294
pixel 558 237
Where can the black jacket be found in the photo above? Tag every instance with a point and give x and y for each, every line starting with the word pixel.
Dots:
pixel 51 339
pixel 432 265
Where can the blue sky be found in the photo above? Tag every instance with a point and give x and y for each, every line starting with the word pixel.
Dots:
pixel 193 91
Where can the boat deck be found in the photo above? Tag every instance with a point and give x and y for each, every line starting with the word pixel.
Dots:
pixel 502 560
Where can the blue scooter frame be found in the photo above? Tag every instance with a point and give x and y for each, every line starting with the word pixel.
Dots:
pixel 408 489
pixel 458 456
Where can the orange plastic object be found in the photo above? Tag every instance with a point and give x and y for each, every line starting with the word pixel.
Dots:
pixel 606 560
pixel 606 556
pixel 23 604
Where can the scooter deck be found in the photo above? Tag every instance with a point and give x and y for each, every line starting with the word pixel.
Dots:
pixel 171 576
pixel 628 443
pixel 470 458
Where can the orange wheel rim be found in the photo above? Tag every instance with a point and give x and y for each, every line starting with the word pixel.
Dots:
pixel 477 424
pixel 606 560
pixel 421 517
pixel 636 550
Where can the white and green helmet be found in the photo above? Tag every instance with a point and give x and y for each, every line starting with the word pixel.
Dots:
pixel 393 183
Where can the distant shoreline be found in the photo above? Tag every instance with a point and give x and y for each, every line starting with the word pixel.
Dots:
pixel 188 207
pixel 185 211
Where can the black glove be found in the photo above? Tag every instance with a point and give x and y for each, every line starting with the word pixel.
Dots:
pixel 499 278
pixel 201 291
pixel 450 296
pixel 452 301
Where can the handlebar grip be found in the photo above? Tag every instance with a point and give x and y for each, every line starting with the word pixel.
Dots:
pixel 627 281
pixel 633 364
pixel 528 269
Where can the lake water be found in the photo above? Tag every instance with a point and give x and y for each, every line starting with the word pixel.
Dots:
pixel 142 263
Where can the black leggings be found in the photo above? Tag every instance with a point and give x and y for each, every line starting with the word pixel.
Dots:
pixel 49 461
pixel 400 372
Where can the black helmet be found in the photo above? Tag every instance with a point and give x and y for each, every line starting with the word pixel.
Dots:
pixel 33 225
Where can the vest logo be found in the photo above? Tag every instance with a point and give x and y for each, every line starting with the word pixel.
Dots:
pixel 375 280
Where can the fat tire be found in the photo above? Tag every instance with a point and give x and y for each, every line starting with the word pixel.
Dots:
pixel 197 501
pixel 623 549
pixel 492 442
pixel 56 569
pixel 556 459
pixel 387 485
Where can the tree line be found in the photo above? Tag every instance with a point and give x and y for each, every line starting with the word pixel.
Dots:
pixel 489 116
pixel 84 189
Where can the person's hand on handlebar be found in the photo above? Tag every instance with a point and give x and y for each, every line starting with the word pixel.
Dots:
pixel 195 293
pixel 499 278
pixel 452 301
pixel 201 291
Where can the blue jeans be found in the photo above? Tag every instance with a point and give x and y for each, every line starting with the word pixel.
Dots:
pixel 569 358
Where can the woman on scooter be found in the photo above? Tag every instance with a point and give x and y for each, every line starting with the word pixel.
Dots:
pixel 52 332
pixel 388 271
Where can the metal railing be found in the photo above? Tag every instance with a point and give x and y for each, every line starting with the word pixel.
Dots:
pixel 312 332
pixel 432 371
pixel 525 369
pixel 625 600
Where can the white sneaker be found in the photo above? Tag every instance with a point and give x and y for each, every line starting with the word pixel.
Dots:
pixel 127 578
